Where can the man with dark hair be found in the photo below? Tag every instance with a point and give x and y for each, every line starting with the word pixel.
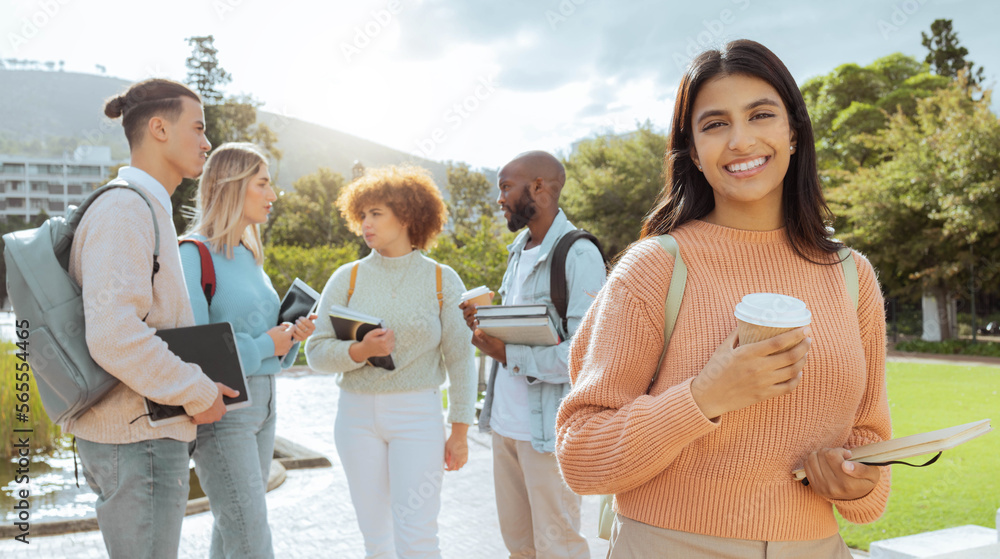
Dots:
pixel 140 472
pixel 539 515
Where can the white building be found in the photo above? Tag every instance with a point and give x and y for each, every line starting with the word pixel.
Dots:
pixel 29 185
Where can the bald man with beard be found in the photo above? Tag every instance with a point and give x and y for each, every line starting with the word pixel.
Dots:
pixel 539 515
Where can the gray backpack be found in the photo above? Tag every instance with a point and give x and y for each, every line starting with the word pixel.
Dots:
pixel 49 308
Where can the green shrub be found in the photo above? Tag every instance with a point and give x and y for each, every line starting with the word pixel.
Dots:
pixel 313 265
pixel 478 259
pixel 951 347
pixel 45 435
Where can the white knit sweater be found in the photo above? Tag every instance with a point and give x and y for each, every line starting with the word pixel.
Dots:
pixel 430 343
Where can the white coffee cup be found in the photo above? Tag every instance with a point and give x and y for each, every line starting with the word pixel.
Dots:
pixel 478 296
pixel 761 316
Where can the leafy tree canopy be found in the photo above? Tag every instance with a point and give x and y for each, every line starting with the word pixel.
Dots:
pixel 471 198
pixel 946 55
pixel 929 209
pixel 227 119
pixel 612 182
pixel 854 100
pixel 308 216
pixel 478 254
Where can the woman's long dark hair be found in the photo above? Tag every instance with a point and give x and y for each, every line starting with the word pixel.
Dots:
pixel 687 195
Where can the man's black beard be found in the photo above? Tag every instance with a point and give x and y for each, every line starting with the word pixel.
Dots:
pixel 522 213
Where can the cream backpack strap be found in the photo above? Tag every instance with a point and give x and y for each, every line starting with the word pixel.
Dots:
pixel 675 293
pixel 850 273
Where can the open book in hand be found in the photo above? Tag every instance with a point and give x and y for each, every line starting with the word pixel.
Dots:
pixel 351 326
pixel 914 445
pixel 300 300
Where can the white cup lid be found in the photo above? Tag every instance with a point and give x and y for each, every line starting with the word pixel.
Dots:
pixel 475 292
pixel 773 310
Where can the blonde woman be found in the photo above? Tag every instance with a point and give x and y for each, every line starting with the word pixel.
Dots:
pixel 233 457
pixel 389 430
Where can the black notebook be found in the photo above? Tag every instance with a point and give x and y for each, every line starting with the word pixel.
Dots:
pixel 351 326
pixel 213 348
pixel 299 301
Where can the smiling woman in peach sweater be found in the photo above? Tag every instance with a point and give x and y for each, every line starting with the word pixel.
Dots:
pixel 700 462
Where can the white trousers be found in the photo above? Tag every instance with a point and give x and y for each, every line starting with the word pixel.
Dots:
pixel 392 450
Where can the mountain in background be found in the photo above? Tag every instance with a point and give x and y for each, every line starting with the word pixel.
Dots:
pixel 44 114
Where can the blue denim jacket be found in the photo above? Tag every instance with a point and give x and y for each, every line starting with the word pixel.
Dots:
pixel 546 367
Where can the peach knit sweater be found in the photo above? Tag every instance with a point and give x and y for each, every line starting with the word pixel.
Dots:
pixel 669 465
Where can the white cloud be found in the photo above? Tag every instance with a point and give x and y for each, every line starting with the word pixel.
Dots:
pixel 596 67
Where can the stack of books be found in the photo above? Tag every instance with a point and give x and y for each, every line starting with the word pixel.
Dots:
pixel 518 324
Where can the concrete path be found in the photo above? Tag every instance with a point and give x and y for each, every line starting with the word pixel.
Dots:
pixel 311 516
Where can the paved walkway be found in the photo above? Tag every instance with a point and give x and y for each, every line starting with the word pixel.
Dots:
pixel 310 514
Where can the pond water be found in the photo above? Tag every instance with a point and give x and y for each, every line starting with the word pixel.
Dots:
pixel 54 494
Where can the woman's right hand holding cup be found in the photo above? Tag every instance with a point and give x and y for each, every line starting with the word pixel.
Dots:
pixel 738 377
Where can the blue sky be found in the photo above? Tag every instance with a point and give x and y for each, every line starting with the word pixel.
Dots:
pixel 477 80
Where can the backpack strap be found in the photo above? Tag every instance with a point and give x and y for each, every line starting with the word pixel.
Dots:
pixel 675 294
pixel 557 270
pixel 440 293
pixel 354 279
pixel 850 273
pixel 74 219
pixel 207 268
pixel 672 306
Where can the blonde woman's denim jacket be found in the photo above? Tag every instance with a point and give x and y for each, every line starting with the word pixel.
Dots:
pixel 546 367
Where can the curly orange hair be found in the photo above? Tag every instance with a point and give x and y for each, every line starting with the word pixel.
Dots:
pixel 408 191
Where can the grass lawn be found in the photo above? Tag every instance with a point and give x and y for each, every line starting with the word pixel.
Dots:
pixel 963 486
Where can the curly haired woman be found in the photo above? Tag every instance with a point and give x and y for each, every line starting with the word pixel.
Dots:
pixel 389 432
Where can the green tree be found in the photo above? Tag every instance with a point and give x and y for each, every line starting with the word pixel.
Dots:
pixel 946 55
pixel 470 197
pixel 854 100
pixel 204 72
pixel 478 255
pixel 612 182
pixel 929 210
pixel 227 119
pixel 308 216
pixel 313 265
